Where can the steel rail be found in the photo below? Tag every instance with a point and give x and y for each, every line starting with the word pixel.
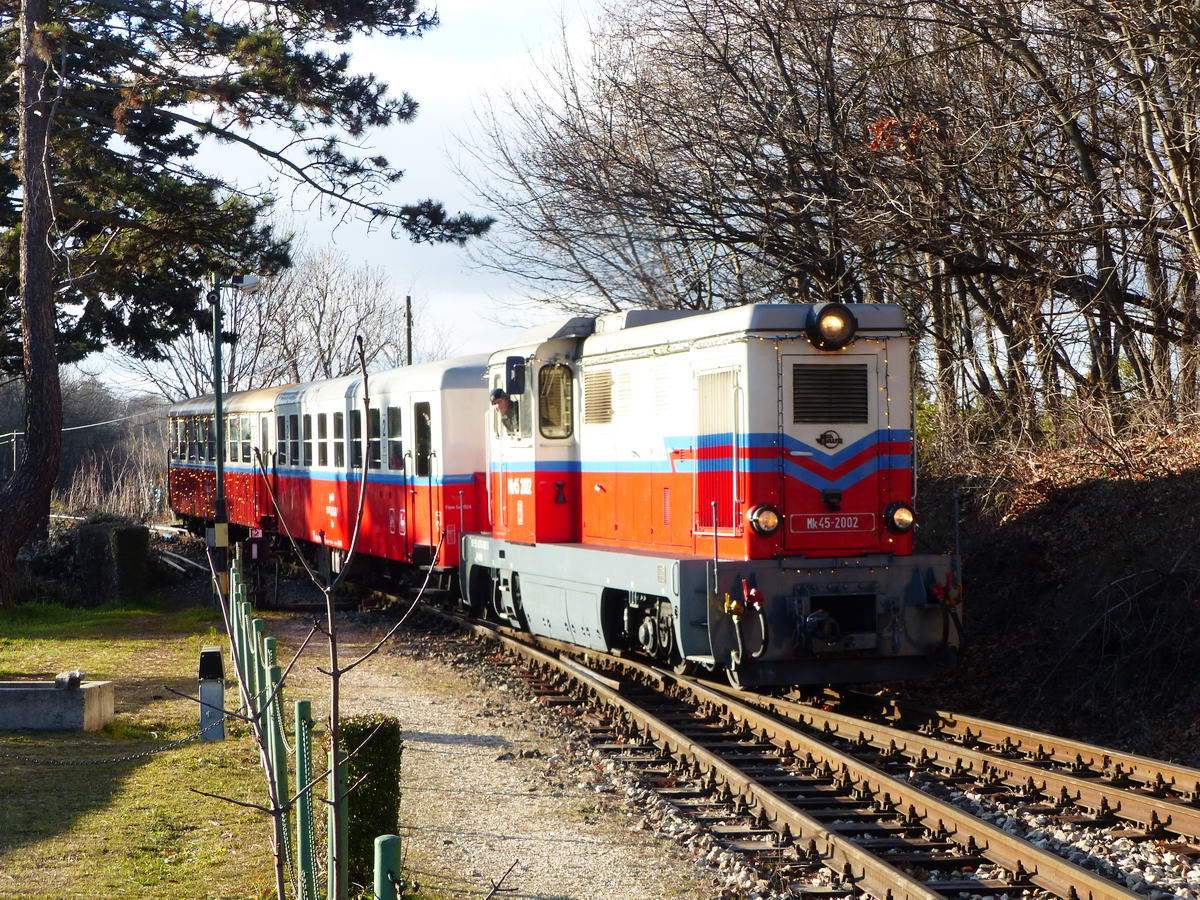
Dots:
pixel 866 871
pixel 879 878
pixel 1014 854
pixel 1155 774
pixel 1147 810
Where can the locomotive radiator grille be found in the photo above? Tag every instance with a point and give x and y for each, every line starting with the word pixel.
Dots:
pixel 829 394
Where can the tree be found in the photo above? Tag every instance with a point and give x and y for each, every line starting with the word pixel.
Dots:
pixel 115 224
pixel 299 326
pixel 1020 176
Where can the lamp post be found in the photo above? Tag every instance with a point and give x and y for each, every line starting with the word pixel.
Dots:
pixel 218 540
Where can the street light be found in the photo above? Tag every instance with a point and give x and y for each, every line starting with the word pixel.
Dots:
pixel 219 540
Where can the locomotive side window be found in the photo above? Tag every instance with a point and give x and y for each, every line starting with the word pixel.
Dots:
pixel 322 438
pixel 395 444
pixel 356 439
pixel 293 439
pixel 423 434
pixel 555 418
pixel 245 436
pixel 308 440
pixel 339 439
pixel 281 438
pixel 374 457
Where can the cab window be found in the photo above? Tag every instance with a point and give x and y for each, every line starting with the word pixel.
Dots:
pixel 554 401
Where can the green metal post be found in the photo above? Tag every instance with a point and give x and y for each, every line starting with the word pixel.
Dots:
pixel 387 866
pixel 306 873
pixel 247 651
pixel 258 634
pixel 269 717
pixel 338 860
pixel 277 748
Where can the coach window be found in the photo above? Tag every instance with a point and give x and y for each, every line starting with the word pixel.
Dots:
pixel 322 439
pixel 554 401
pixel 210 437
pixel 423 435
pixel 281 438
pixel 395 444
pixel 355 439
pixel 373 432
pixel 245 436
pixel 231 436
pixel 189 426
pixel 293 439
pixel 339 440
pixel 307 440
pixel 264 437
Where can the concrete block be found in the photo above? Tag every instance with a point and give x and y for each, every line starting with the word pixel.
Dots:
pixel 40 705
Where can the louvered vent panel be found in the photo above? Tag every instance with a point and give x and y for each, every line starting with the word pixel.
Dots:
pixel 830 394
pixel 598 397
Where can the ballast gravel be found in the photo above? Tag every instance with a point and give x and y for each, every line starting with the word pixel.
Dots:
pixel 1146 867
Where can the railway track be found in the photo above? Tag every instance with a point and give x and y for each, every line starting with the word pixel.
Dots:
pixel 837 805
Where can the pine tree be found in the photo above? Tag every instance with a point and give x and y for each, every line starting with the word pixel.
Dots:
pixel 107 221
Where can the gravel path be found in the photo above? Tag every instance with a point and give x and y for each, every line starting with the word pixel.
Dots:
pixel 491 778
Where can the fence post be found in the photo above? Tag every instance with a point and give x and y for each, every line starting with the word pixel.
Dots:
pixel 258 634
pixel 273 722
pixel 306 875
pixel 387 866
pixel 339 858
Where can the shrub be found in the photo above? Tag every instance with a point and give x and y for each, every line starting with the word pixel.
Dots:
pixel 374 806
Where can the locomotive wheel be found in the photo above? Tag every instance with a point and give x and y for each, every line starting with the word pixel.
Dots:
pixel 684 667
pixel 733 677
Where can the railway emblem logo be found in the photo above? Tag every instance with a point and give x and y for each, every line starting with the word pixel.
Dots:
pixel 830 439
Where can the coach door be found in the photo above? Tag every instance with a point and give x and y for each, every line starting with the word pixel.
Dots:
pixel 424 517
pixel 716 485
pixel 831 452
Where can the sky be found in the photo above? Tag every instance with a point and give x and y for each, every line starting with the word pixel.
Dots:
pixel 480 48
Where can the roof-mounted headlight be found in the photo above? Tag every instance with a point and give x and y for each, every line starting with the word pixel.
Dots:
pixel 831 326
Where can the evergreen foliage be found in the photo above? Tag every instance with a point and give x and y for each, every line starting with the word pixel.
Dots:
pixel 138 87
pixel 374 805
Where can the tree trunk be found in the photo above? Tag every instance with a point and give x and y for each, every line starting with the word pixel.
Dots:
pixel 25 498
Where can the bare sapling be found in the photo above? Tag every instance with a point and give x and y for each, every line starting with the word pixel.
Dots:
pixel 256 709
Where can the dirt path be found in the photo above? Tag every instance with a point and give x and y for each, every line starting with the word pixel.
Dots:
pixel 491 778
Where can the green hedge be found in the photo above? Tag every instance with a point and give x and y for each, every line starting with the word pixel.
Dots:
pixel 374 806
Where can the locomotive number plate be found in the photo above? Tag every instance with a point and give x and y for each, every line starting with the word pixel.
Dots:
pixel 825 522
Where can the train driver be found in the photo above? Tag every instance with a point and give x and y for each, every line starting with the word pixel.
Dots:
pixel 506 409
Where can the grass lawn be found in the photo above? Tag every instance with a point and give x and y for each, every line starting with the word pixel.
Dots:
pixel 129 829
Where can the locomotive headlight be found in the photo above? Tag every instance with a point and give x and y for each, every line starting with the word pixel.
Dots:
pixel 831 326
pixel 763 519
pixel 899 517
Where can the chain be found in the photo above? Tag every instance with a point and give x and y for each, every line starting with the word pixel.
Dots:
pixel 37 761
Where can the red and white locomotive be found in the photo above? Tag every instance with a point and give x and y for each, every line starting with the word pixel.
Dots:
pixel 727 490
